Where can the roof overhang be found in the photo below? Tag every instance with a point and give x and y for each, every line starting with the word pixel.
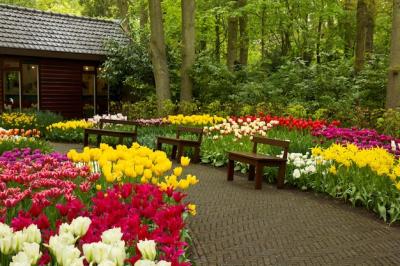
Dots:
pixel 51 54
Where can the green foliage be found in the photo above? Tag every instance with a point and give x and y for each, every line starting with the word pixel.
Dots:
pixel 46 118
pixel 32 143
pixel 141 109
pixel 296 110
pixel 188 108
pixel 389 123
pixel 128 70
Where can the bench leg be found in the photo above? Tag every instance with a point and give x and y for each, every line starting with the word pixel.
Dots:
pixel 259 175
pixel 98 140
pixel 159 145
pixel 85 139
pixel 180 152
pixel 173 154
pixel 196 158
pixel 230 170
pixel 252 171
pixel 281 176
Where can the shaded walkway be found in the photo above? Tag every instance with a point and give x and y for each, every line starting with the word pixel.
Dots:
pixel 237 225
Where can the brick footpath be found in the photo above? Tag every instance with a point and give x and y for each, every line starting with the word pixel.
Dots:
pixel 237 225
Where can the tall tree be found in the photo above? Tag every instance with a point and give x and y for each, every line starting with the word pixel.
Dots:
pixel 158 53
pixel 361 31
pixel 244 36
pixel 123 8
pixel 347 24
pixel 231 53
pixel 232 42
pixel 143 20
pixel 393 87
pixel 188 8
pixel 217 51
pixel 370 26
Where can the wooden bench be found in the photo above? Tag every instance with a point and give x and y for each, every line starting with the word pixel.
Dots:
pixel 121 135
pixel 179 144
pixel 257 161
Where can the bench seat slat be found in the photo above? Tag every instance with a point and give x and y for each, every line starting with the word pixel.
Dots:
pixel 256 156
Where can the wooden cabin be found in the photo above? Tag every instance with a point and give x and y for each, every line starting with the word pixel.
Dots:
pixel 51 61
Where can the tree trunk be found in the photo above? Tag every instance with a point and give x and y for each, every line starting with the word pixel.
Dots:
pixel 393 88
pixel 217 38
pixel 158 53
pixel 231 55
pixel 188 48
pixel 361 30
pixel 318 50
pixel 370 26
pixel 263 14
pixel 348 35
pixel 244 37
pixel 123 7
pixel 143 20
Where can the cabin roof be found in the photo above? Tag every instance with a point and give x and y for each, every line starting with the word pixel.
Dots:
pixel 30 29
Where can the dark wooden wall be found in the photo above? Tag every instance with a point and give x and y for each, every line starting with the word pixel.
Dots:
pixel 1 87
pixel 60 83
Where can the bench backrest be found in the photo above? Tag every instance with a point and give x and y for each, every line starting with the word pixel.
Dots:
pixel 284 144
pixel 118 122
pixel 194 130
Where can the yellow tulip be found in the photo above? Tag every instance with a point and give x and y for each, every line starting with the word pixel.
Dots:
pixel 185 161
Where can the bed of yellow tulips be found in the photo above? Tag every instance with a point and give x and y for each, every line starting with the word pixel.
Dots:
pixel 72 124
pixel 17 120
pixel 194 120
pixel 378 160
pixel 137 164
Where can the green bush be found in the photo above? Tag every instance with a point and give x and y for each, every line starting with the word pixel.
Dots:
pixel 389 122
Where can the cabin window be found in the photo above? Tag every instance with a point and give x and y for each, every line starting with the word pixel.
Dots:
pixel 89 90
pixel 21 85
pixel 12 81
pixel 29 90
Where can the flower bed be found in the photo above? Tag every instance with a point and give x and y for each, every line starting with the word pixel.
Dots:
pixel 17 120
pixel 68 131
pixel 367 177
pixel 363 138
pixel 135 196
pixel 288 122
pixel 194 120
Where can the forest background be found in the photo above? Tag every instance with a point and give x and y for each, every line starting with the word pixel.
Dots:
pixel 332 59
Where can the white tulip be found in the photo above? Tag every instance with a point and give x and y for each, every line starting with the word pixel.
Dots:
pixel 68 255
pixel 6 245
pixel 88 251
pixel 296 173
pixel 111 236
pixel 5 230
pixel 100 252
pixel 145 263
pixel 107 263
pixel 18 239
pixel 163 263
pixel 20 259
pixel 80 226
pixel 65 229
pixel 32 250
pixel 148 249
pixel 117 255
pixel 32 234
